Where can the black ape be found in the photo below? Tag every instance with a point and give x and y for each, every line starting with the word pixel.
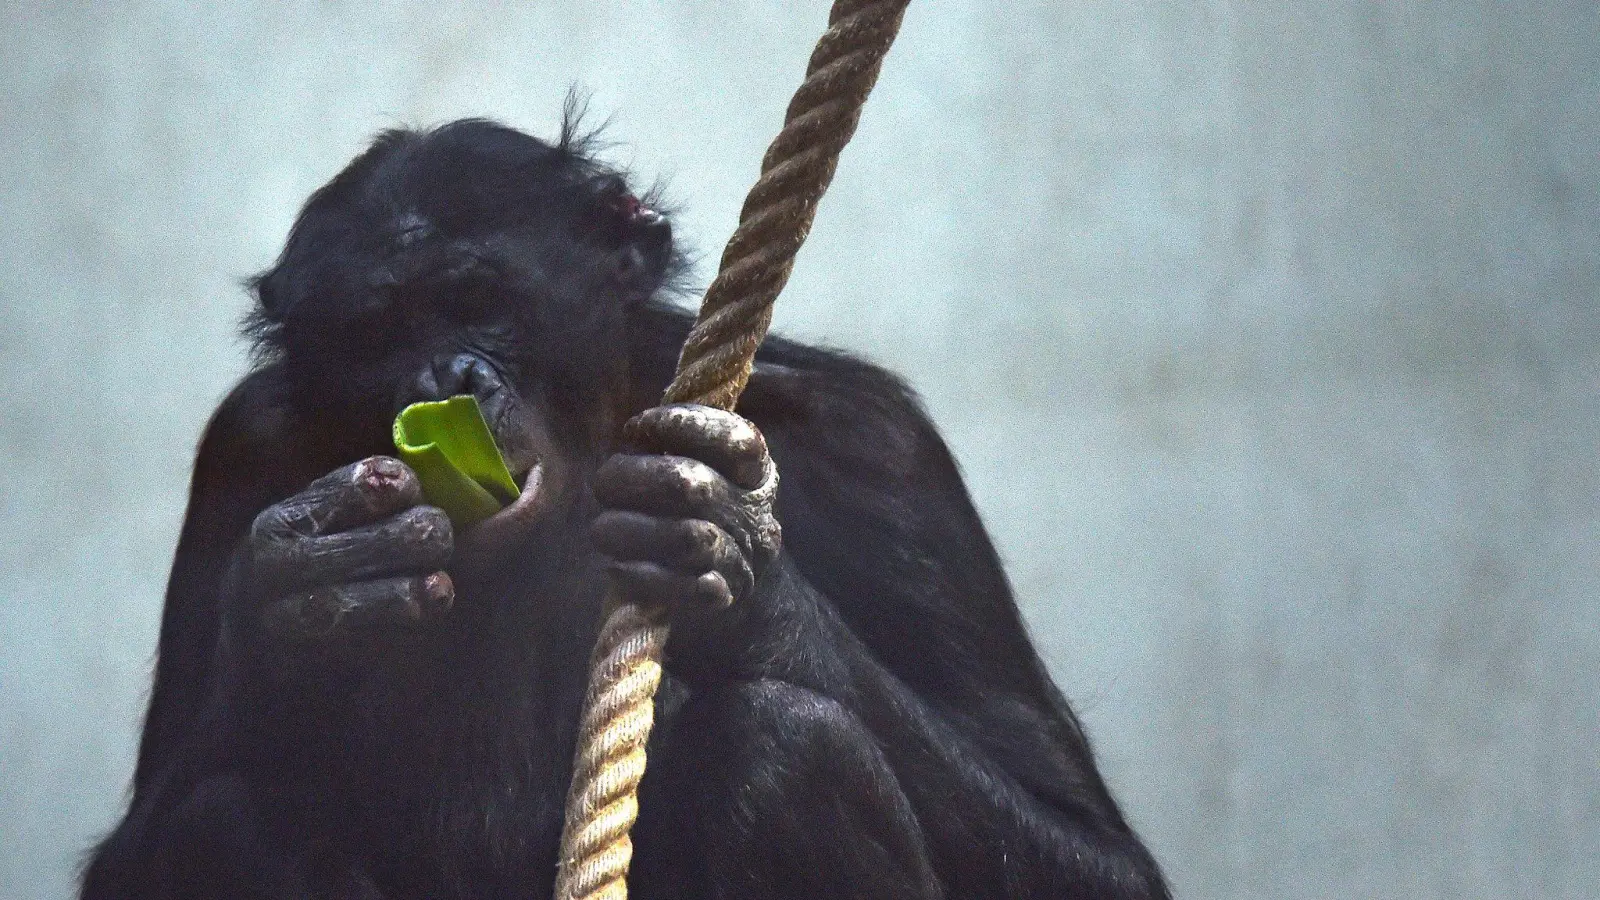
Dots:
pixel 352 700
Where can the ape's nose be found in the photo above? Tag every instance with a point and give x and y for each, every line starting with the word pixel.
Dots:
pixel 451 374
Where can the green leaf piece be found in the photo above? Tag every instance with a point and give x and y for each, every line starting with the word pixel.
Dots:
pixel 448 444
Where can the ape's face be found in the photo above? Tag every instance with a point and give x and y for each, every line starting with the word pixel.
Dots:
pixel 470 259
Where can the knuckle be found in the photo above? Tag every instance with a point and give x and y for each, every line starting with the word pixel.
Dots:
pixel 698 534
pixel 645 425
pixel 668 424
pixel 755 446
pixel 427 525
pixel 405 602
pixel 695 481
pixel 743 434
pixel 677 412
pixel 712 588
pixel 438 593
pixel 695 417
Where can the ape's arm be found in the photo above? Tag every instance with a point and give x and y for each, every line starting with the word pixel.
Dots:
pixel 889 599
pixel 890 569
pixel 1047 830
pixel 243 463
pixel 878 520
pixel 998 783
pixel 221 710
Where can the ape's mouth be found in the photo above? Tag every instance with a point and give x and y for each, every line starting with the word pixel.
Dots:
pixel 534 483
pixel 520 432
pixel 517 436
pixel 497 532
pixel 520 441
pixel 511 425
pixel 531 483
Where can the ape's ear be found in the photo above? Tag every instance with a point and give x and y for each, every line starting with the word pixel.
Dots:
pixel 646 249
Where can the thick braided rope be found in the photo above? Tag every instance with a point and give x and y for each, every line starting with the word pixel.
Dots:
pixel 777 213
pixel 617 714
pixel 618 710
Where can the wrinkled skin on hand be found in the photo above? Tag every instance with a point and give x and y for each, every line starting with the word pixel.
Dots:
pixel 357 549
pixel 688 508
pixel 359 554
pixel 687 521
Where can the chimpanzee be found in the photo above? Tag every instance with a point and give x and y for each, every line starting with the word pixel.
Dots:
pixel 354 699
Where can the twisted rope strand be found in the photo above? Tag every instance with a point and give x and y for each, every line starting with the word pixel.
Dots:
pixel 778 211
pixel 602 803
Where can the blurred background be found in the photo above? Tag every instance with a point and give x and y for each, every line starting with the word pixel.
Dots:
pixel 1266 333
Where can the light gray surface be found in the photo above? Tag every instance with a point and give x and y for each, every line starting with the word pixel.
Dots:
pixel 1266 333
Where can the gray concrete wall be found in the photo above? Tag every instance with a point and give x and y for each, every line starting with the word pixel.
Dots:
pixel 1266 333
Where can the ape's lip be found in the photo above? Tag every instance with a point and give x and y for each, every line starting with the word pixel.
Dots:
pixel 497 531
pixel 516 448
pixel 531 482
pixel 521 472
pixel 525 470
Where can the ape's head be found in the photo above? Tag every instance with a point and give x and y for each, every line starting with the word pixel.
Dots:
pixel 467 259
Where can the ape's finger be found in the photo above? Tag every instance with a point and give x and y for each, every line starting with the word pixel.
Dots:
pixel 687 546
pixel 361 492
pixel 671 486
pixel 419 539
pixel 330 611
pixel 725 441
pixel 650 585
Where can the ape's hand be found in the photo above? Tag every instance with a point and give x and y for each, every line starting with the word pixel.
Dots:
pixel 355 551
pixel 687 515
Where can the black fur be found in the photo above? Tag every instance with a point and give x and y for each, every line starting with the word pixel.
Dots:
pixel 872 723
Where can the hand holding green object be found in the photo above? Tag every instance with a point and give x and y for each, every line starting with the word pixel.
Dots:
pixel 448 444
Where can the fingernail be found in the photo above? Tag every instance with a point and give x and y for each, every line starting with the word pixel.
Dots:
pixel 379 473
pixel 439 593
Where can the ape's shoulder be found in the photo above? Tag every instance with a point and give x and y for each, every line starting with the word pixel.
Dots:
pixel 842 421
pixel 249 422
